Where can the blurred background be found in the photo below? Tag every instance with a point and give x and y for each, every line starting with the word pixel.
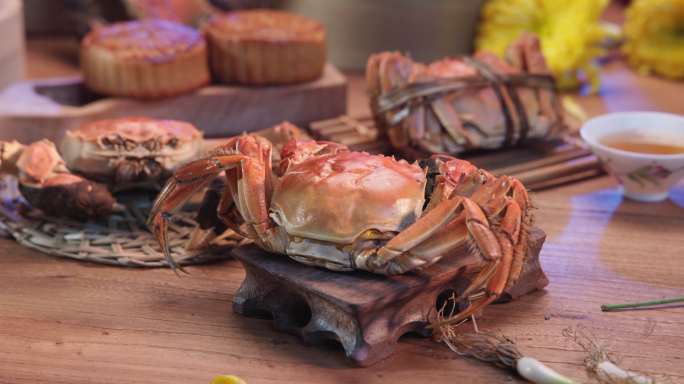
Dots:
pixel 356 28
pixel 577 36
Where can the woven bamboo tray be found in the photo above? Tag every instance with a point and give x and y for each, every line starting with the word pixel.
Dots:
pixel 538 164
pixel 122 239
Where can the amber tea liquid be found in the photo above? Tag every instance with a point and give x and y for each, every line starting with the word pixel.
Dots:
pixel 634 143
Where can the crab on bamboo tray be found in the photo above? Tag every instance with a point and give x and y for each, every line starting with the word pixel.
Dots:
pixel 537 164
pixel 122 239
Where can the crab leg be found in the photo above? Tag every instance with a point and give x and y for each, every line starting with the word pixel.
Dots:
pixel 447 226
pixel 248 192
pixel 509 197
pixel 502 274
pixel 511 232
pixel 522 201
pixel 456 177
pixel 452 123
pixel 187 180
pixel 224 204
pixel 526 54
pixel 505 204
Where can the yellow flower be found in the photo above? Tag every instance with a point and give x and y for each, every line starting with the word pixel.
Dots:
pixel 654 34
pixel 227 379
pixel 569 31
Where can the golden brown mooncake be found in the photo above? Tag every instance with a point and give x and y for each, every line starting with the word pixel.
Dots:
pixel 262 47
pixel 144 59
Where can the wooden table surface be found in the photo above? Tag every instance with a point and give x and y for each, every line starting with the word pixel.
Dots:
pixel 63 321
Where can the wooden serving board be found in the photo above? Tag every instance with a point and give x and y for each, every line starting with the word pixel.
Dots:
pixel 538 164
pixel 33 110
pixel 364 312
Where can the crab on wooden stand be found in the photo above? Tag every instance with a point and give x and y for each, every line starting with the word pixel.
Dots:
pixel 121 154
pixel 327 206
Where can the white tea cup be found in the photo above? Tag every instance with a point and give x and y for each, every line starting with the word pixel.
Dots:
pixel 644 176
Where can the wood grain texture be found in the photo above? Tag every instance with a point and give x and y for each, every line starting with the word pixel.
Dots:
pixel 69 322
pixel 46 108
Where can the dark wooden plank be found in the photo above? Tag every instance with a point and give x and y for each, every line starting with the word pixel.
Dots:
pixel 362 291
pixel 366 313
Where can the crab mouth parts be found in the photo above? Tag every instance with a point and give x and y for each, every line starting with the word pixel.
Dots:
pixel 136 170
pixel 118 143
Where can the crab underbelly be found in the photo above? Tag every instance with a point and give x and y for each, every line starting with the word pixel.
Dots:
pixel 320 254
pixel 119 165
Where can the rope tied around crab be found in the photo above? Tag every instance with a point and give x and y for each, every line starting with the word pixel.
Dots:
pixel 454 105
pixel 393 107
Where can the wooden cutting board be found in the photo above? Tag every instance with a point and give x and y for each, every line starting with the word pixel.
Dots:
pixel 33 110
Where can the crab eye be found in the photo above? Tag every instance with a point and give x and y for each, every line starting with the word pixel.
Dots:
pixel 130 145
pixel 113 142
pixel 108 143
pixel 152 145
pixel 173 143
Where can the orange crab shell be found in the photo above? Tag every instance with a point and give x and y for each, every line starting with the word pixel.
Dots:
pixel 38 162
pixel 97 149
pixel 338 197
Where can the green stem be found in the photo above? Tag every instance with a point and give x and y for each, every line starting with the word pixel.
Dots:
pixel 613 307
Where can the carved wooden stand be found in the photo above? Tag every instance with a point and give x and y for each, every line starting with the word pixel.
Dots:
pixel 366 313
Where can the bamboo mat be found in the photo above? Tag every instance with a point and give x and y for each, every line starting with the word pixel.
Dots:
pixel 122 239
pixel 539 165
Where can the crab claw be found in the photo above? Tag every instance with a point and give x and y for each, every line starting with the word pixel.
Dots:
pixel 46 183
pixel 160 215
pixel 160 227
pixel 184 183
pixel 69 195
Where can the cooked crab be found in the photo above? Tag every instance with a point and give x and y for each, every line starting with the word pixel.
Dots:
pixel 122 153
pixel 459 104
pixel 330 207
pixel 130 152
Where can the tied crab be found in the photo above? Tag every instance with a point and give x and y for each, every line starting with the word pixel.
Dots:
pixel 459 104
pixel 97 159
pixel 327 206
